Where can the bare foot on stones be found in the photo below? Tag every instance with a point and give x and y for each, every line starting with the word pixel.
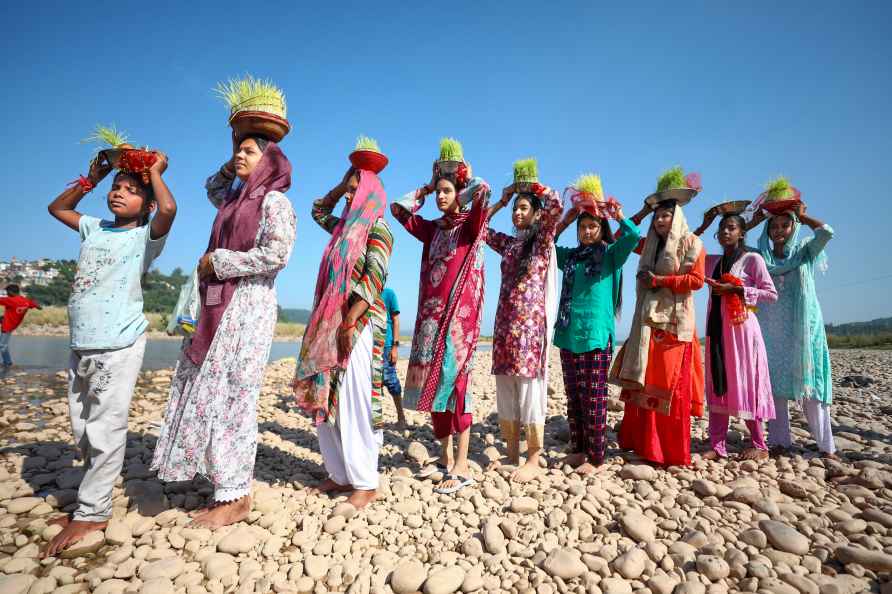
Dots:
pixel 73 531
pixel 359 499
pixel 711 455
pixel 588 468
pixel 527 472
pixel 329 486
pixel 224 514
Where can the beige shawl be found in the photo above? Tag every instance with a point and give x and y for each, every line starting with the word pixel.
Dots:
pixel 659 308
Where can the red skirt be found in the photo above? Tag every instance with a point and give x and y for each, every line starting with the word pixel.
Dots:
pixel 664 439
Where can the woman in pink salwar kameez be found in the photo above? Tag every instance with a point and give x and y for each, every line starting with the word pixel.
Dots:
pixel 450 306
pixel 737 378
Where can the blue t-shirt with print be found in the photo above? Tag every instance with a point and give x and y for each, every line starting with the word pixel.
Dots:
pixel 105 310
pixel 393 309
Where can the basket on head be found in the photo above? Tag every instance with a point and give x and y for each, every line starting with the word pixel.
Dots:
pixel 122 155
pixel 255 107
pixel 779 196
pixel 451 163
pixel 587 195
pixel 673 184
pixel 526 176
pixel 368 156
pixel 731 207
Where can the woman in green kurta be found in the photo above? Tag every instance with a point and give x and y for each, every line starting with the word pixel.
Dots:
pixel 585 328
pixel 793 327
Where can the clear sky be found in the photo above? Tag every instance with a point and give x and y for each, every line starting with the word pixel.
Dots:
pixel 740 92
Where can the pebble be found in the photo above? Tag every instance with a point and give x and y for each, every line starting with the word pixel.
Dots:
pixel 638 526
pixel 785 537
pixel 408 577
pixel 444 581
pixel 240 540
pixel 564 564
pixel 873 560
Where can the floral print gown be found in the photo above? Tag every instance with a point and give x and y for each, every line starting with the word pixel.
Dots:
pixel 519 337
pixel 210 426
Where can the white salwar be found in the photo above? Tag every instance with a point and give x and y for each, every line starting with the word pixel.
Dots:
pixel 816 413
pixel 350 446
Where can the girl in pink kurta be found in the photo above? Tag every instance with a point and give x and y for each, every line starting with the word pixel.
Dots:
pixel 525 318
pixel 450 308
pixel 737 379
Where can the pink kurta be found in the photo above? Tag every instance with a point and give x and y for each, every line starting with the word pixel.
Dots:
pixel 520 328
pixel 746 364
pixel 450 302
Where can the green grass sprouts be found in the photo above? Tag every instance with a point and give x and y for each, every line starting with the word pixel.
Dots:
pixel 589 183
pixel 364 143
pixel 671 179
pixel 450 150
pixel 252 94
pixel 108 135
pixel 526 171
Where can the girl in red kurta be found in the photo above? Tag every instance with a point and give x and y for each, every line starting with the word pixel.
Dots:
pixel 450 305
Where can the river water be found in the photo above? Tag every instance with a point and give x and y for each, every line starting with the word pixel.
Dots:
pixel 51 352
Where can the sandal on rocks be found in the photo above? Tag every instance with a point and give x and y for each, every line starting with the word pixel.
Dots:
pixel 432 469
pixel 460 483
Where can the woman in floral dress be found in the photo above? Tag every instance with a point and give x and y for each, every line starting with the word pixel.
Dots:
pixel 526 314
pixel 450 305
pixel 210 426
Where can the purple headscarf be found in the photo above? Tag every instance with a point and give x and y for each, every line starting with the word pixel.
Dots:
pixel 235 229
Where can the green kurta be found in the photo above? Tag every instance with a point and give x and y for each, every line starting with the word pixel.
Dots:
pixel 592 323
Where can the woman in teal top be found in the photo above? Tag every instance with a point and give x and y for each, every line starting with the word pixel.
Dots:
pixel 793 328
pixel 590 301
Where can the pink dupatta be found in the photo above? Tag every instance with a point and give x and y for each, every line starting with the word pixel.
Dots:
pixel 319 350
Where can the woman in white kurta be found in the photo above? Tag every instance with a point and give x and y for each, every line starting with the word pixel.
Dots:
pixel 210 426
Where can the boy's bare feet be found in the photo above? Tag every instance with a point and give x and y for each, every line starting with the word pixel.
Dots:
pixel 73 531
pixel 224 514
pixel 329 486
pixel 587 468
pixel 361 498
pixel 529 471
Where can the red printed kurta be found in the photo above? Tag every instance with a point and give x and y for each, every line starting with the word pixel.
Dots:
pixel 450 300
pixel 520 327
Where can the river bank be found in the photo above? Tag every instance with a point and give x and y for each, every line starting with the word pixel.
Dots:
pixel 797 524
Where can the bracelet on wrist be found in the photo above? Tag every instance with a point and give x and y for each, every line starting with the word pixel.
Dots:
pixel 85 183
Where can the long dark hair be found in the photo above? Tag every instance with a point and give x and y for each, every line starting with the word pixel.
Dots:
pixel 526 251
pixel 608 238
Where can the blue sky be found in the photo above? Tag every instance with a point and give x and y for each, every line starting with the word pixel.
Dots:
pixel 739 92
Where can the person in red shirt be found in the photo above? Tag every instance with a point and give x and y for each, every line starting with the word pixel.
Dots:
pixel 15 307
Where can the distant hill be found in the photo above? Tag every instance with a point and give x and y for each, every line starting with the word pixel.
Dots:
pixel 875 334
pixel 296 316
pixel 880 325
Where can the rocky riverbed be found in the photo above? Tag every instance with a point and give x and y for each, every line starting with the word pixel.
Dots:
pixel 797 524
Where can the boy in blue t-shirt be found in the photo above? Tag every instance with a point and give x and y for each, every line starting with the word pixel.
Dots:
pixel 107 327
pixel 391 353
